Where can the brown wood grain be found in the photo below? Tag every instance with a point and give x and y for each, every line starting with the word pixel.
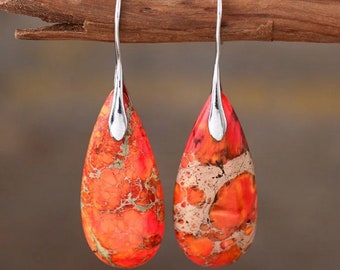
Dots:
pixel 182 21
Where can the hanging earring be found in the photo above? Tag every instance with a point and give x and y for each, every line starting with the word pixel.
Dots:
pixel 215 201
pixel 121 196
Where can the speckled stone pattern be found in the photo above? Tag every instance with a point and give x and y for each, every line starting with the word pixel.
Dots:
pixel 215 201
pixel 121 196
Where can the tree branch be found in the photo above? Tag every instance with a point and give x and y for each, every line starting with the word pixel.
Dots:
pixel 179 21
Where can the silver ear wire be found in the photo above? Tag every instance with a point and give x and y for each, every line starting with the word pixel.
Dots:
pixel 217 122
pixel 117 119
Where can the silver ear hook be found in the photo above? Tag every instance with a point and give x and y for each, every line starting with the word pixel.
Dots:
pixel 117 119
pixel 217 122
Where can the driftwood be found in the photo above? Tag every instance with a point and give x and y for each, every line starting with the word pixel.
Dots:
pixel 179 21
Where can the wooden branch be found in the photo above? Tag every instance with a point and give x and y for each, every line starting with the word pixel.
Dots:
pixel 178 20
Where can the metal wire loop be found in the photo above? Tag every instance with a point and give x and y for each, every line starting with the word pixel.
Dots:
pixel 217 122
pixel 117 119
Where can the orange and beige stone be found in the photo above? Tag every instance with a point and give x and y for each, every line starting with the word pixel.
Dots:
pixel 121 196
pixel 215 201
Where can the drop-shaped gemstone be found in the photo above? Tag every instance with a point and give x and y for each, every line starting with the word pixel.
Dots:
pixel 215 201
pixel 121 196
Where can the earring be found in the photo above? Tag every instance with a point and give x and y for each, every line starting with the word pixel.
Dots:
pixel 215 201
pixel 121 196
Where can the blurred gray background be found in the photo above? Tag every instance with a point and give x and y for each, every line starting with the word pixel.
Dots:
pixel 287 96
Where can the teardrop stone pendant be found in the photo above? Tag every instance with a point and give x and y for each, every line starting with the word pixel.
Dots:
pixel 121 196
pixel 215 201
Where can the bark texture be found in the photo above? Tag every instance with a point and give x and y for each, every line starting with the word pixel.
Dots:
pixel 182 21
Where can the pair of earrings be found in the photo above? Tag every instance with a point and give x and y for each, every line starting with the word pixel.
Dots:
pixel 215 201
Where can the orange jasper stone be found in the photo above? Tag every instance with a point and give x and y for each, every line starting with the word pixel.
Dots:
pixel 121 196
pixel 215 201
